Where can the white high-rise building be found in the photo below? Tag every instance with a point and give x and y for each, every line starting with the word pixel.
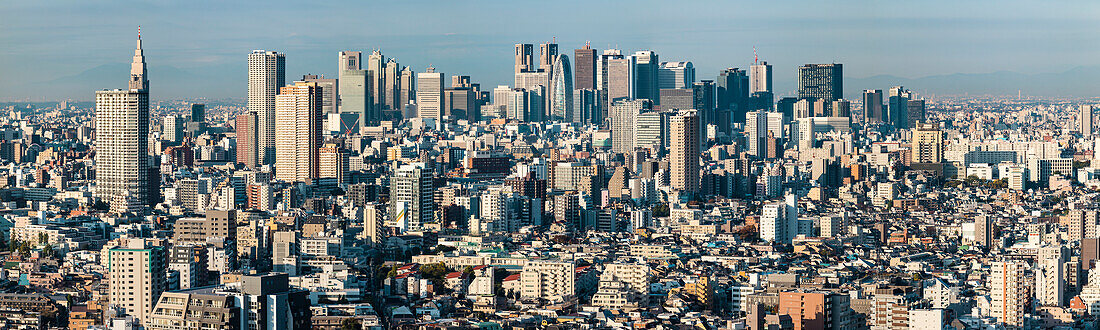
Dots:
pixel 760 77
pixel 1085 117
pixel 298 132
pixel 122 142
pixel 411 201
pixel 1009 287
pixel 429 94
pixel 173 128
pixel 266 74
pixel 779 221
pixel 622 124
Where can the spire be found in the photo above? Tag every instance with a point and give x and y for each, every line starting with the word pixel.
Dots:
pixel 137 68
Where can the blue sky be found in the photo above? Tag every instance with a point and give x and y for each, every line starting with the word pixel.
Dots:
pixel 54 42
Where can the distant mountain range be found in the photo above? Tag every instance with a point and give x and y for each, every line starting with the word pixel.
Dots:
pixel 1076 82
pixel 227 81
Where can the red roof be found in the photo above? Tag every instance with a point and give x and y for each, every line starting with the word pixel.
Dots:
pixel 454 275
pixel 512 278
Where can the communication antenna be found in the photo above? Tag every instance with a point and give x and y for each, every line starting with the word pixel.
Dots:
pixel 755 60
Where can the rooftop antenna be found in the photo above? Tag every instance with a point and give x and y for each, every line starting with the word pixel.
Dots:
pixel 755 60
pixel 139 31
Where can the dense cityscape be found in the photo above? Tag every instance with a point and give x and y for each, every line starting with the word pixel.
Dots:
pixel 603 189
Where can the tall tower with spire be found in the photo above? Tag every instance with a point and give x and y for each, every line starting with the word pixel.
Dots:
pixel 124 178
pixel 137 67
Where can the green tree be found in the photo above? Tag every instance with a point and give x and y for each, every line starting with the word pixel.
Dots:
pixel 351 323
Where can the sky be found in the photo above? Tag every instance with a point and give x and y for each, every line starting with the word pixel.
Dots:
pixel 70 48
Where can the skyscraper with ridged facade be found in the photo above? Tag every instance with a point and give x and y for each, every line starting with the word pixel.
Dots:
pixel 561 89
pixel 122 142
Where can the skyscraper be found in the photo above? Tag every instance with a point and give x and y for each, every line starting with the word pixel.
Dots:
pixel 122 142
pixel 331 92
pixel 525 58
pixel 1085 120
pixel 354 90
pixel 732 89
pixel 411 201
pixel 622 124
pixel 684 155
pixel 547 54
pixel 646 63
pixel 561 90
pixel 872 107
pixel 916 113
pixel 1010 288
pixel 620 77
pixel 898 107
pixel 198 113
pixel 821 81
pixel 266 73
pixel 173 129
pixel 675 75
pixel 587 106
pixel 585 66
pixel 429 94
pixel 392 88
pixel 376 72
pixel 245 127
pixel 407 88
pixel 757 126
pixel 298 132
pixel 137 275
pixel 927 144
pixel 760 77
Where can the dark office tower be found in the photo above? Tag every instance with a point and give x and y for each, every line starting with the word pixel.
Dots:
pixel 761 101
pixel 898 107
pixel 525 58
pixel 916 112
pixel 872 107
pixel 646 63
pixel 732 91
pixel 584 60
pixel 587 106
pixel 821 81
pixel 548 52
pixel 198 112
pixel 704 101
pixel 461 103
pixel 786 106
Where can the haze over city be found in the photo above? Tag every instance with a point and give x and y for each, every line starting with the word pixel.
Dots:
pixel 56 50
pixel 563 165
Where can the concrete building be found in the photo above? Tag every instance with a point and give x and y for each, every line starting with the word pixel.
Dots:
pixel 123 177
pixel 136 276
pixel 298 132
pixel 266 74
pixel 684 156
pixel 429 94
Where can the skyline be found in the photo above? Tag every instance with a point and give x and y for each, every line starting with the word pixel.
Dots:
pixel 206 57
